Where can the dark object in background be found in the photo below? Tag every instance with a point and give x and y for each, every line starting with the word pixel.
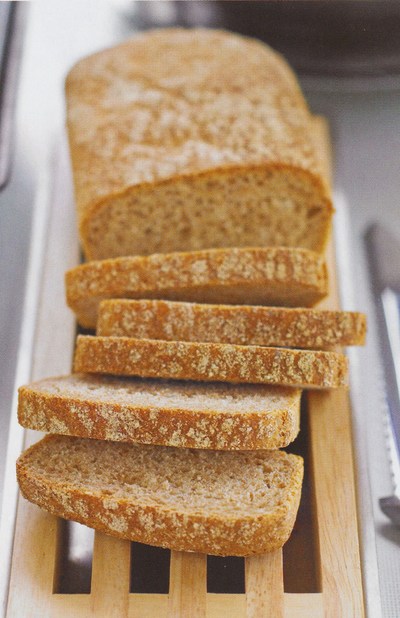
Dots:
pixel 318 38
pixel 12 21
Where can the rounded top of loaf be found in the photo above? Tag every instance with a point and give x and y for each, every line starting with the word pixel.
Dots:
pixel 183 60
pixel 177 103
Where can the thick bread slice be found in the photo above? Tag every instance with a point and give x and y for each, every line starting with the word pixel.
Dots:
pixel 212 146
pixel 220 362
pixel 181 414
pixel 215 502
pixel 238 324
pixel 253 276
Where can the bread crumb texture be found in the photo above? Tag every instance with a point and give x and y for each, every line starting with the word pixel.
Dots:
pixel 211 147
pixel 250 275
pixel 181 414
pixel 221 503
pixel 237 324
pixel 220 362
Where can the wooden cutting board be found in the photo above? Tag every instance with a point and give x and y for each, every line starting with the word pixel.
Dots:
pixel 317 574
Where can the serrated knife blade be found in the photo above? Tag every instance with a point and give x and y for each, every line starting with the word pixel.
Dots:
pixel 384 261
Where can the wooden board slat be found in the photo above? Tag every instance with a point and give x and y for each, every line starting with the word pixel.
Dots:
pixel 148 606
pixel 71 605
pixel 151 605
pixel 35 552
pixel 333 466
pixel 334 488
pixel 188 585
pixel 308 605
pixel 335 505
pixel 34 560
pixel 264 586
pixel 110 576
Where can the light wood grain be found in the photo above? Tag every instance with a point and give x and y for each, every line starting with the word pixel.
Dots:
pixel 264 586
pixel 188 585
pixel 334 483
pixel 148 606
pixel 110 576
pixel 34 560
pixel 34 563
pixel 70 605
pixel 309 605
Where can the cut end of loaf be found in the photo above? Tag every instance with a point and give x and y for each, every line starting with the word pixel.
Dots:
pixel 264 206
pixel 218 503
pixel 209 154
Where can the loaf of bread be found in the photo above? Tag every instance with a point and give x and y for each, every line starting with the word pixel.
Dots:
pixel 181 414
pixel 237 324
pixel 215 502
pixel 220 362
pixel 255 276
pixel 189 139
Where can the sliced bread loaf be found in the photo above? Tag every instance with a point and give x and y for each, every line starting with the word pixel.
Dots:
pixel 254 276
pixel 211 145
pixel 215 502
pixel 237 324
pixel 181 414
pixel 220 362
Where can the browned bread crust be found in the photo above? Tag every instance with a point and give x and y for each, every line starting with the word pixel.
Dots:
pixel 181 414
pixel 237 324
pixel 220 362
pixel 223 503
pixel 185 154
pixel 251 275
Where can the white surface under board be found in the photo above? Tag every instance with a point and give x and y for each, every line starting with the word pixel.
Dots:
pixel 366 132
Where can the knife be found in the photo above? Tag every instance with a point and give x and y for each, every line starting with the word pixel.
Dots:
pixel 384 261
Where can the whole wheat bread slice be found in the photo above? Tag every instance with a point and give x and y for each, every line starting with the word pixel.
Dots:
pixel 220 362
pixel 181 414
pixel 215 502
pixel 211 144
pixel 237 324
pixel 253 276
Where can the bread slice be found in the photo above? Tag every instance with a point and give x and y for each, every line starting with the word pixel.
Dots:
pixel 181 414
pixel 237 324
pixel 215 502
pixel 255 276
pixel 211 144
pixel 220 362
